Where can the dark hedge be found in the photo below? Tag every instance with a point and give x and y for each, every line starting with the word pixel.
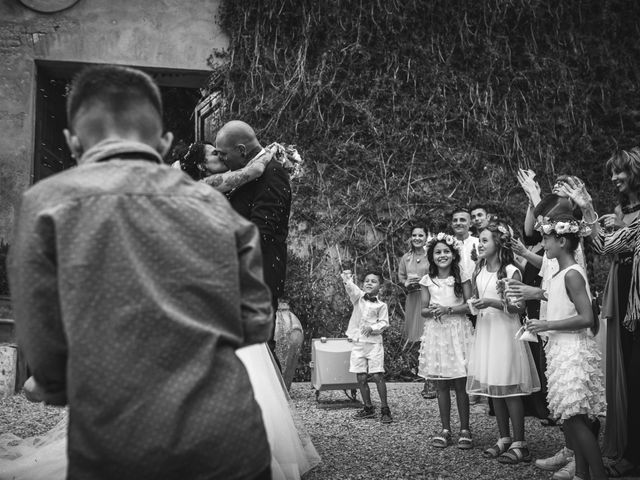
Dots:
pixel 404 109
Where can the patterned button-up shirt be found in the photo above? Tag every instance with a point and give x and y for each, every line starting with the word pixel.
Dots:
pixel 133 286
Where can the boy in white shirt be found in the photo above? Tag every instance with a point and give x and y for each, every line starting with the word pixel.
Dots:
pixel 370 317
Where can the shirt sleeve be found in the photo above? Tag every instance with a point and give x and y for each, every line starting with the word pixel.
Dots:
pixel 383 320
pixel 620 241
pixel 33 280
pixel 271 205
pixel 353 291
pixel 402 270
pixel 255 298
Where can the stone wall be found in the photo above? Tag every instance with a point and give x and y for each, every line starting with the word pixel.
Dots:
pixel 162 34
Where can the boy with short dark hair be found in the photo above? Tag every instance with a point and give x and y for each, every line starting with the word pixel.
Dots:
pixel 479 216
pixel 370 317
pixel 125 311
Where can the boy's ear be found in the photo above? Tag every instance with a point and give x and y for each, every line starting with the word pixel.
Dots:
pixel 73 142
pixel 165 143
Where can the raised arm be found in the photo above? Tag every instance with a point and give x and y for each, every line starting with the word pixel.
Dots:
pixel 227 181
pixel 352 289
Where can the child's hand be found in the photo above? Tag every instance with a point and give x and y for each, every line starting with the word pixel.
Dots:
pixel 366 330
pixel 537 326
pixel 346 276
pixel 483 303
pixel 437 311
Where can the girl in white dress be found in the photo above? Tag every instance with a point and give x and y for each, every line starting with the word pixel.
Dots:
pixel 500 366
pixel 575 382
pixel 448 333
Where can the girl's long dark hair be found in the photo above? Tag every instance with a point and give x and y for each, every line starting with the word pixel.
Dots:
pixel 505 254
pixel 455 265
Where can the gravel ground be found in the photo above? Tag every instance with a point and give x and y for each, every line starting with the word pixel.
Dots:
pixel 365 449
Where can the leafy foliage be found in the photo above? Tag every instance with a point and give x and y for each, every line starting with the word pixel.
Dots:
pixel 403 109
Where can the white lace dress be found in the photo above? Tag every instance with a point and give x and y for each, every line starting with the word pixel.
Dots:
pixel 574 377
pixel 445 344
pixel 292 454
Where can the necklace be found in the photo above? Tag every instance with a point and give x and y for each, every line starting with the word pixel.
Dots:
pixel 627 209
pixel 486 285
pixel 418 258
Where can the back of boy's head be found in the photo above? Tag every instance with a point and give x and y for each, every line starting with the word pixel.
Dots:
pixel 107 97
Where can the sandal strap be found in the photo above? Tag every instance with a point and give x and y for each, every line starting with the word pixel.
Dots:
pixel 516 454
pixel 496 450
pixel 443 438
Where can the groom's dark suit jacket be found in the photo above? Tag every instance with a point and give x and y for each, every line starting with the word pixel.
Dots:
pixel 266 201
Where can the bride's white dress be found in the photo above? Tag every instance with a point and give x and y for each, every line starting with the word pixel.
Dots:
pixel 44 457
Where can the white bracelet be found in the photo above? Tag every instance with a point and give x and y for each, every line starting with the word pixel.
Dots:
pixel 594 221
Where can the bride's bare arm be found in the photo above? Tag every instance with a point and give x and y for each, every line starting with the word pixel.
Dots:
pixel 227 181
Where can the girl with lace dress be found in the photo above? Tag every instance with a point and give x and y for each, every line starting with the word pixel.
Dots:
pixel 447 335
pixel 500 366
pixel 575 382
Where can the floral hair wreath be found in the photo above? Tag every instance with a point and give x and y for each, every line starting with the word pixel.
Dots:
pixel 448 240
pixel 563 227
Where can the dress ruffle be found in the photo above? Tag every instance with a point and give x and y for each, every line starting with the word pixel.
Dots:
pixel 444 348
pixel 575 380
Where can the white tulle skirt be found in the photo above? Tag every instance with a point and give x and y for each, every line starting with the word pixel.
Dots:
pixel 292 453
pixel 44 457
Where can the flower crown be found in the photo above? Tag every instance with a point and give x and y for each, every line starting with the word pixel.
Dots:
pixel 563 227
pixel 449 240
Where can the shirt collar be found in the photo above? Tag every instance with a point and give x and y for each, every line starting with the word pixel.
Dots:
pixel 260 153
pixel 117 148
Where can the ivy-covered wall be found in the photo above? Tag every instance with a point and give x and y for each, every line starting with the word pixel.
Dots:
pixel 403 109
